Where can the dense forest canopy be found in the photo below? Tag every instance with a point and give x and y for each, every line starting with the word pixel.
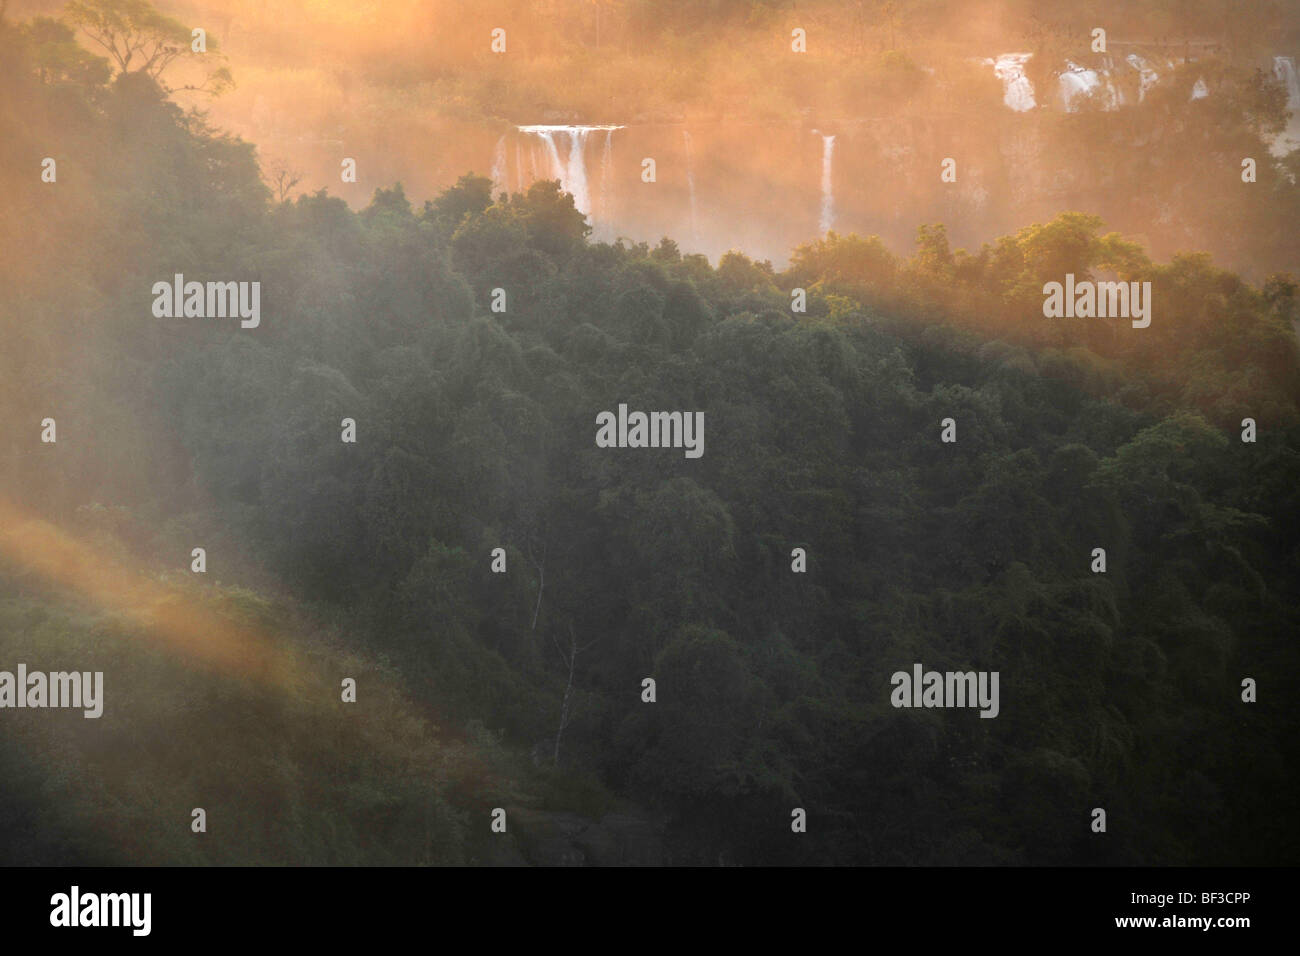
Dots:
pixel 475 432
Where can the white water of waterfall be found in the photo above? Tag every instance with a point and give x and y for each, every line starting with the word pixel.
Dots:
pixel 1017 91
pixel 1284 70
pixel 577 172
pixel 573 173
pixel 1074 82
pixel 690 184
pixel 828 189
pixel 606 169
pixel 553 155
pixel 1148 76
pixel 1078 82
pixel 519 167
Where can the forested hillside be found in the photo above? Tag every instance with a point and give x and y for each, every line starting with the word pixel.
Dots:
pixel 476 430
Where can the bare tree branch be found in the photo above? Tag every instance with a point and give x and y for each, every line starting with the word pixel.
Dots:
pixel 571 661
pixel 134 31
pixel 541 581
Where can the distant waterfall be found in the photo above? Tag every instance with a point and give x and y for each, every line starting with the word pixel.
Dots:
pixel 576 180
pixel 572 173
pixel 1017 91
pixel 1284 70
pixel 828 188
pixel 690 184
pixel 1288 139
pixel 1105 80
pixel 1078 82
pixel 606 170
pixel 1147 74
pixel 553 155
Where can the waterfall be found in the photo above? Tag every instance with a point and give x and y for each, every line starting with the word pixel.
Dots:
pixel 606 169
pixel 1284 70
pixel 519 167
pixel 690 184
pixel 552 154
pixel 499 183
pixel 1148 75
pixel 576 180
pixel 573 173
pixel 1078 81
pixel 1075 82
pixel 1017 91
pixel 1289 138
pixel 828 189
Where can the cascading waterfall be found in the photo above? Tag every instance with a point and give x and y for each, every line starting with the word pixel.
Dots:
pixel 1075 82
pixel 552 153
pixel 690 183
pixel 1117 82
pixel 1017 90
pixel 572 173
pixel 1148 75
pixel 1284 70
pixel 576 180
pixel 1114 94
pixel 1288 139
pixel 606 170
pixel 1078 82
pixel 828 188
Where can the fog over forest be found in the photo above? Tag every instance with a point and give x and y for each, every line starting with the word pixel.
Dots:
pixel 617 420
pixel 741 130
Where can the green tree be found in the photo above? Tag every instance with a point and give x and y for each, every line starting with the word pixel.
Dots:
pixel 139 38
